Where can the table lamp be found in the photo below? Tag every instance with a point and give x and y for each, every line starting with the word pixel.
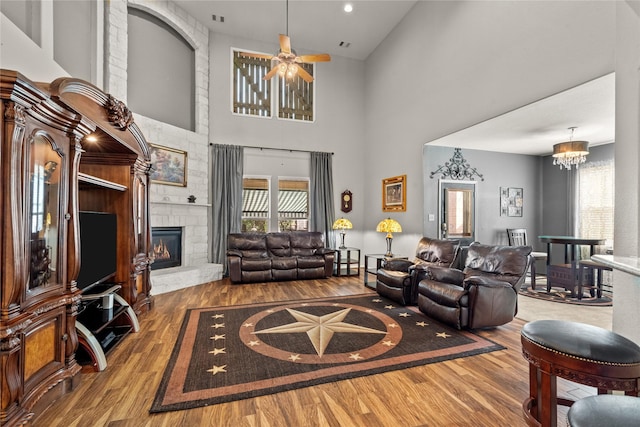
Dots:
pixel 342 224
pixel 389 226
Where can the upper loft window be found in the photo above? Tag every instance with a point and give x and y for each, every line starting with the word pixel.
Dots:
pixel 252 94
pixel 161 71
pixel 295 97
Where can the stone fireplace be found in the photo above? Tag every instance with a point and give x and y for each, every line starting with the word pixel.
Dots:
pixel 172 215
pixel 166 244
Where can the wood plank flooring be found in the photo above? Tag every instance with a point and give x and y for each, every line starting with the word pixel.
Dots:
pixel 483 390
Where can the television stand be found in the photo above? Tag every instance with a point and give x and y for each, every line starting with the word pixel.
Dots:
pixel 103 321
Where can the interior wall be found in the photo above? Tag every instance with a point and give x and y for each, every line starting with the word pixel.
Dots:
pixel 514 170
pixel 20 53
pixel 338 125
pixel 25 16
pixel 161 71
pixel 469 61
pixel 72 43
pixel 626 316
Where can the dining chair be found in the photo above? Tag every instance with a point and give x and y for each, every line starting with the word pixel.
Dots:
pixel 518 237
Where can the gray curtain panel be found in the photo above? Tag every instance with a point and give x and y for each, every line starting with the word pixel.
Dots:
pixel 321 196
pixel 226 200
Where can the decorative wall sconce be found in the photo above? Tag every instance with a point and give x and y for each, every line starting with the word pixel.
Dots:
pixel 457 168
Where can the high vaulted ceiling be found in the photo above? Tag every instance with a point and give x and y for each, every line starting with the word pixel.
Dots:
pixel 321 26
pixel 314 26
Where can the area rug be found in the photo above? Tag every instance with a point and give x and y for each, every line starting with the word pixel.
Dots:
pixel 563 296
pixel 230 353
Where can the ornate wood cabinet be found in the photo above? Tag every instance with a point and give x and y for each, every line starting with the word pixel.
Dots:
pixel 49 172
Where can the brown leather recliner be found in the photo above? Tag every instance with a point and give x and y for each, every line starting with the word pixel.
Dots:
pixel 398 278
pixel 484 294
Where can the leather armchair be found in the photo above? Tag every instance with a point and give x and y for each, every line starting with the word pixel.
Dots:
pixel 398 278
pixel 484 294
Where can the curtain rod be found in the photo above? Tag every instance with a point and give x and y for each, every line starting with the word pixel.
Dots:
pixel 291 150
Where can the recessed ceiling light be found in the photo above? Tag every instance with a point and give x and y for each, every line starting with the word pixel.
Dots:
pixel 348 7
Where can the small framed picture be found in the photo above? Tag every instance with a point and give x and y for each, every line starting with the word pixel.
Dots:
pixel 511 201
pixel 168 165
pixel 394 194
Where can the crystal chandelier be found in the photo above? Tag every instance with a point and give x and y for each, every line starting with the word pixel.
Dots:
pixel 570 153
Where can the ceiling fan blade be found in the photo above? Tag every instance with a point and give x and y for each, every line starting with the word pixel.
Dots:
pixel 257 55
pixel 322 57
pixel 305 76
pixel 271 73
pixel 285 44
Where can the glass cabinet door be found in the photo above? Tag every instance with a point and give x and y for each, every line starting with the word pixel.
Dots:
pixel 44 210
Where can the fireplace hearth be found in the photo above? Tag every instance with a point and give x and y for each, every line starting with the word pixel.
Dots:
pixel 166 245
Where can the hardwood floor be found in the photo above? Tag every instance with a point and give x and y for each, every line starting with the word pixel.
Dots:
pixel 483 390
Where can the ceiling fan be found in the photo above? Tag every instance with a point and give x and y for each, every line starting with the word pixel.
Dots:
pixel 287 60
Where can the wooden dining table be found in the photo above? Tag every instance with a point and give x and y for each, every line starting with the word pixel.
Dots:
pixel 566 275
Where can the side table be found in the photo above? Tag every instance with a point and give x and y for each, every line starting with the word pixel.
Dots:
pixel 347 262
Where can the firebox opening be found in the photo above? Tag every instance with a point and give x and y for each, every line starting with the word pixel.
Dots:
pixel 166 243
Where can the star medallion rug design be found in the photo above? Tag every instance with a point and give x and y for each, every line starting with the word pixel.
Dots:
pixel 237 352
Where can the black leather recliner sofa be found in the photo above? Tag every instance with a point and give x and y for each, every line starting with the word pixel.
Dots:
pixel 265 257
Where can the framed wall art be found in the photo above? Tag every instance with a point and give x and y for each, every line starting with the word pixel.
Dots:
pixel 168 165
pixel 511 201
pixel 394 194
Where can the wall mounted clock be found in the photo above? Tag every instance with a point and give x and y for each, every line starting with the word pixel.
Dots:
pixel 346 201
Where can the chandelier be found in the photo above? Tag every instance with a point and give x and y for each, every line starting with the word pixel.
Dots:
pixel 570 153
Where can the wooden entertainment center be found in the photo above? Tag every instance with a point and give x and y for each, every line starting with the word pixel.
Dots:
pixel 66 147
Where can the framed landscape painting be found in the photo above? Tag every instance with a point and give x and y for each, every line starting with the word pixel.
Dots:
pixel 168 165
pixel 394 194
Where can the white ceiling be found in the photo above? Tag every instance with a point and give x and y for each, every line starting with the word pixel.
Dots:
pixel 534 128
pixel 314 26
pixel 319 27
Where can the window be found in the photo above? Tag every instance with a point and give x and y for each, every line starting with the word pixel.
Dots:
pixel 595 201
pixel 252 94
pixel 255 204
pixel 293 205
pixel 295 100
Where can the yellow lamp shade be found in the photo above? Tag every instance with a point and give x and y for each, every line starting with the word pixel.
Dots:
pixel 342 224
pixel 389 226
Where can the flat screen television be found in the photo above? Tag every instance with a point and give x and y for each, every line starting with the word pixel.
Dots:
pixel 98 248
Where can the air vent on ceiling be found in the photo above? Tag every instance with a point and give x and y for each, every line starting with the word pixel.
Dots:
pixel 217 18
pixel 344 44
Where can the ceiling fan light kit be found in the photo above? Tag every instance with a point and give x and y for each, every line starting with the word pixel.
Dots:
pixel 287 60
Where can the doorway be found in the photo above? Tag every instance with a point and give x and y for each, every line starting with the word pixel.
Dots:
pixel 457 210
